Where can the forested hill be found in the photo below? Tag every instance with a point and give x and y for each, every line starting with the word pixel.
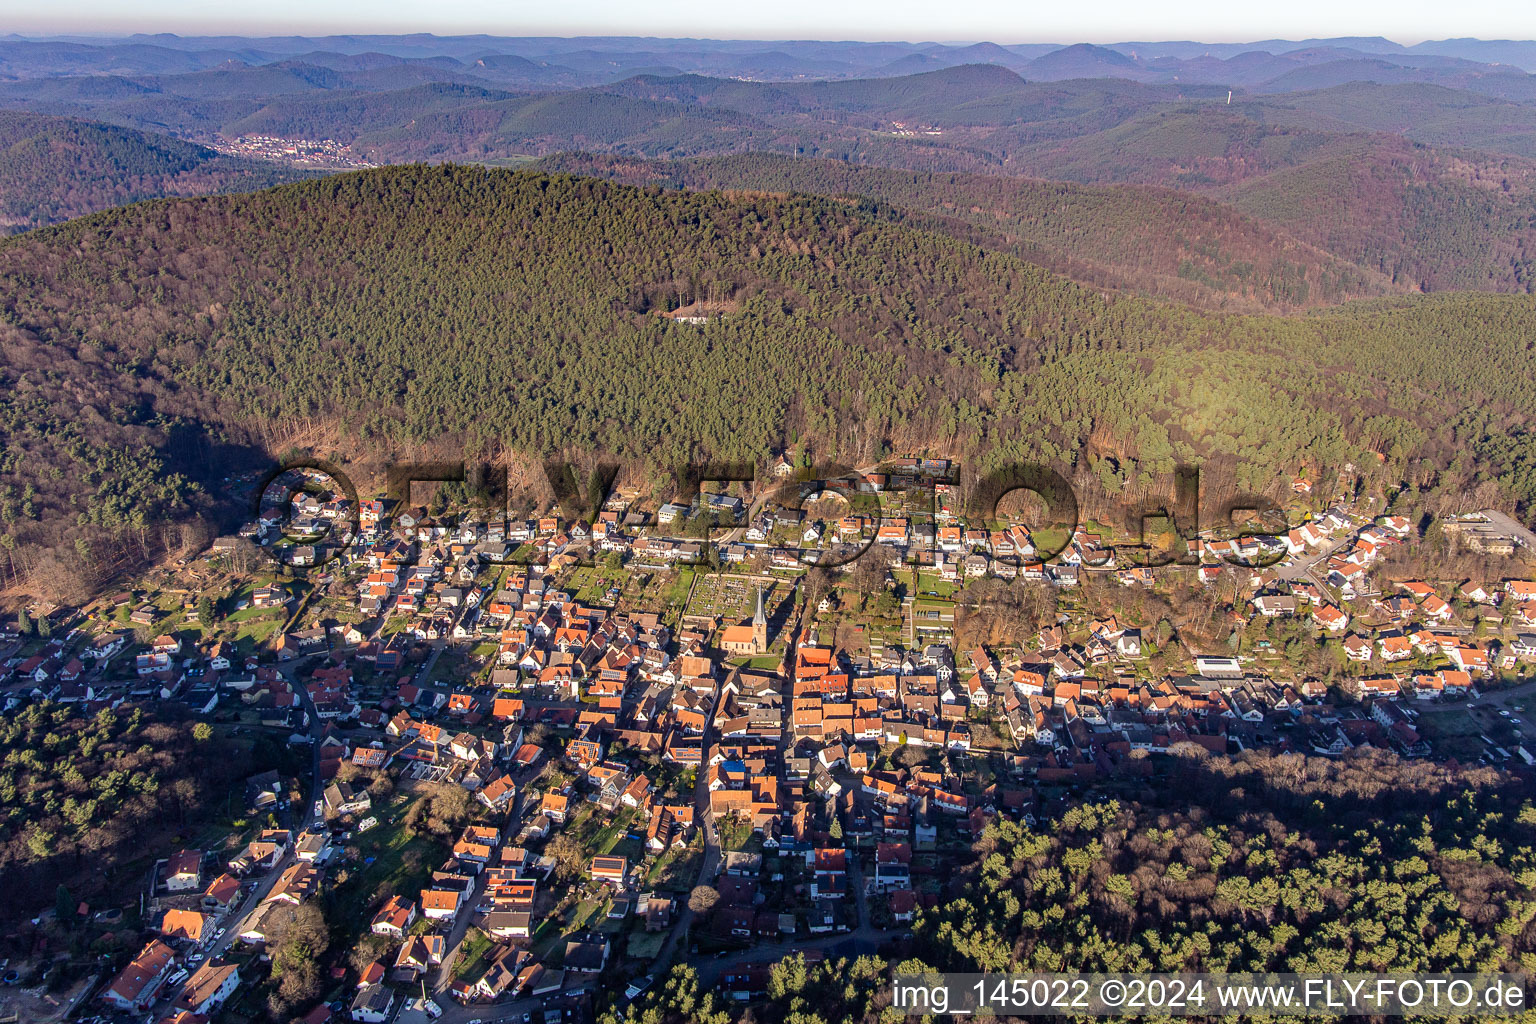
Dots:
pixel 1301 865
pixel 498 310
pixel 56 168
pixel 1424 215
pixel 1158 242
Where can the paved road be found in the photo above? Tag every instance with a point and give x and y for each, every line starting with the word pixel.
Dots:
pixel 234 921
pixel 426 667
pixel 1303 565
pixel 709 864
pixel 1306 566
pixel 386 609
pixel 456 938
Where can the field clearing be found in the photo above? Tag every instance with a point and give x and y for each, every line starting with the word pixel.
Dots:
pixel 402 863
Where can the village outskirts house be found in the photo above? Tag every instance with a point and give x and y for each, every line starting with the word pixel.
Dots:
pixel 136 985
pixel 208 988
pixel 340 798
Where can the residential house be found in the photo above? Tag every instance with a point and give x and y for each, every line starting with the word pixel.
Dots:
pixel 185 924
pixel 135 986
pixel 373 1004
pixel 394 918
pixel 340 798
pixel 208 988
pixel 613 870
pixel 441 904
pixel 184 871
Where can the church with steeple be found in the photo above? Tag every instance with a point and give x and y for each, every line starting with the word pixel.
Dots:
pixel 760 625
pixel 747 641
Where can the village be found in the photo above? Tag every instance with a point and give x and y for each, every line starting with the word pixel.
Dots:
pixel 326 154
pixel 535 761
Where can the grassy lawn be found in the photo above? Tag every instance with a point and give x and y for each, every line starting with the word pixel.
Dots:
pixel 644 945
pixel 1447 725
pixel 676 592
pixel 1049 538
pixel 733 832
pixel 253 626
pixel 929 584
pixel 258 632
pixel 548 937
pixel 588 914
pixel 675 870
pixel 167 602
pixel 601 837
pixel 474 956
pixel 401 863
pixel 251 614
pixel 449 669
pixel 627 846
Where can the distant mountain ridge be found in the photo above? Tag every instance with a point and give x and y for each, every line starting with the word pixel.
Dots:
pixel 596 60
pixel 1421 180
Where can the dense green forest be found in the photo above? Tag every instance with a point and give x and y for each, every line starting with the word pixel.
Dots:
pixel 1424 218
pixel 81 798
pixel 1301 864
pixel 1158 242
pixel 1253 864
pixel 1423 112
pixel 54 168
pixel 497 311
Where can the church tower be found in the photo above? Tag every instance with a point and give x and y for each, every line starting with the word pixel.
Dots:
pixel 760 625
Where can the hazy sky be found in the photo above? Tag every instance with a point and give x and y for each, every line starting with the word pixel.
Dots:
pixel 1004 21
